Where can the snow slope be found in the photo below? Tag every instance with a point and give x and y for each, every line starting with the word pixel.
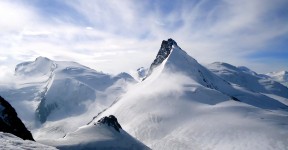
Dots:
pixel 182 105
pixel 105 134
pixel 56 97
pixel 244 77
pixel 11 142
pixel 281 76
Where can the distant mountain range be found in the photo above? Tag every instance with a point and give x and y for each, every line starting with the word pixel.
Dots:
pixel 177 104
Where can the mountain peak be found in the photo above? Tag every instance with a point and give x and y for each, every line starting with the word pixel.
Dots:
pixel 163 53
pixel 110 121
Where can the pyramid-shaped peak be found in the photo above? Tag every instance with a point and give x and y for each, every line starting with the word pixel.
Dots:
pixel 163 53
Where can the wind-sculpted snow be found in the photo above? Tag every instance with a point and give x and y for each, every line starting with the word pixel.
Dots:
pixel 11 142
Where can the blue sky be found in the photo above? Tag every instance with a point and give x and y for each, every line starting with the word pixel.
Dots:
pixel 114 36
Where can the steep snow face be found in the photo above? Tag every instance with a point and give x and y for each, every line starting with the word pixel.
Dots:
pixel 11 142
pixel 105 134
pixel 281 76
pixel 182 105
pixel 61 95
pixel 244 77
pixel 10 123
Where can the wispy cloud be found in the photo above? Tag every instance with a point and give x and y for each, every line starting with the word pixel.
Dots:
pixel 115 36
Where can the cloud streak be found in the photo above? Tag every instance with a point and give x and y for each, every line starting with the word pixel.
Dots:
pixel 114 36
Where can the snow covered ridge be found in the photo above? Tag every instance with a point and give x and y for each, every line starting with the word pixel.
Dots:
pixel 105 134
pixel 10 123
pixel 248 79
pixel 12 142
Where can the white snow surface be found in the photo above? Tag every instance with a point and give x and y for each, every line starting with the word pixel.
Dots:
pixel 11 142
pixel 67 94
pixel 182 105
pixel 97 136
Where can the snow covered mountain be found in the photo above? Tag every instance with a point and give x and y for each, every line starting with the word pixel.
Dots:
pixel 183 105
pixel 49 94
pixel 249 79
pixel 281 76
pixel 107 133
pixel 179 104
pixel 10 123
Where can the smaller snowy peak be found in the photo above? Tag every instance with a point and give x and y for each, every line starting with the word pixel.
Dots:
pixel 226 66
pixel 10 123
pixel 41 66
pixel 110 121
pixel 99 135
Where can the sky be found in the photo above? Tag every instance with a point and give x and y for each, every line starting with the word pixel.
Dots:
pixel 122 35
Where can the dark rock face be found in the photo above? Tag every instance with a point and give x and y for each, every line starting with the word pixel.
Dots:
pixel 163 53
pixel 10 123
pixel 43 110
pixel 110 121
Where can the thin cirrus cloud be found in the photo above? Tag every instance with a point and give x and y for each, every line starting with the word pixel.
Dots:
pixel 127 34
